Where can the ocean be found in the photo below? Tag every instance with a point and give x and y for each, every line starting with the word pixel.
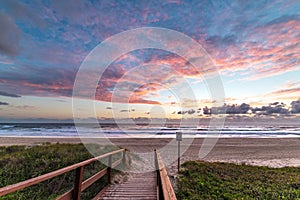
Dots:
pixel 142 130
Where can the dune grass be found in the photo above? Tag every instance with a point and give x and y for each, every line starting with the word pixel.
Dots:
pixel 203 180
pixel 19 163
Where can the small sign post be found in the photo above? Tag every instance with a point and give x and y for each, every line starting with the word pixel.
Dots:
pixel 178 138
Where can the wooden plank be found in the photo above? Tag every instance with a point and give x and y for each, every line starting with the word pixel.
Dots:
pixel 138 186
pixel 66 196
pixel 93 179
pixel 24 184
pixel 98 175
pixel 166 186
pixel 116 163
pixel 101 193
pixel 77 185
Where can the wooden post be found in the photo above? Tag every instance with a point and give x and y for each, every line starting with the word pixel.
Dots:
pixel 109 170
pixel 156 167
pixel 178 156
pixel 158 186
pixel 78 181
pixel 124 158
pixel 178 138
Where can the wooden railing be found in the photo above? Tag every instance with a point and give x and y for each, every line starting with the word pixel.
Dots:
pixel 79 185
pixel 164 187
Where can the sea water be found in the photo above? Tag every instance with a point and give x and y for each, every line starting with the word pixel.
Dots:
pixel 129 130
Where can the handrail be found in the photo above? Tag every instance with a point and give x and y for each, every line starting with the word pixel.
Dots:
pixel 165 189
pixel 79 186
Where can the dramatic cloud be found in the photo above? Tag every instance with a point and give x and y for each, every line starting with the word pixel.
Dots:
pixel 190 112
pixel 272 108
pixel 181 112
pixel 132 80
pixel 55 82
pixel 268 50
pixel 287 91
pixel 228 109
pixel 291 84
pixel 206 110
pixel 73 11
pixel 3 103
pixel 23 12
pixel 25 107
pixel 143 101
pixel 47 41
pixel 238 109
pixel 295 106
pixel 8 94
pixel 9 36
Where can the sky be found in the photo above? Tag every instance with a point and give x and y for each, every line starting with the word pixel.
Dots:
pixel 255 46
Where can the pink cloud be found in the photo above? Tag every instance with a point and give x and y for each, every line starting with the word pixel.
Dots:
pixel 269 50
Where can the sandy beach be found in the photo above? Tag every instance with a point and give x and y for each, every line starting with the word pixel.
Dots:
pixel 273 152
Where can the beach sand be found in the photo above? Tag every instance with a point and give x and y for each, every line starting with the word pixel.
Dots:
pixel 272 152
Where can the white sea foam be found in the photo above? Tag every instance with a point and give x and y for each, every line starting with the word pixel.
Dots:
pixel 69 130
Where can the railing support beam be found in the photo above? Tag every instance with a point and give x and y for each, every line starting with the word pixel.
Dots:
pixel 77 185
pixel 124 158
pixel 109 170
pixel 165 189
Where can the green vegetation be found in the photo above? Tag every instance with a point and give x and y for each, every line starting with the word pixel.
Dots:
pixel 19 163
pixel 203 180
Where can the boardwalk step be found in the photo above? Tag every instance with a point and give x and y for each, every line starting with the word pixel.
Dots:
pixel 137 187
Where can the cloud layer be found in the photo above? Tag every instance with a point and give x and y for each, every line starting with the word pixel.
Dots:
pixel 2 93
pixel 47 42
pixel 3 103
pixel 9 36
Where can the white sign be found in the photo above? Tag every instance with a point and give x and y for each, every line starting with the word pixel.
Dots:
pixel 179 136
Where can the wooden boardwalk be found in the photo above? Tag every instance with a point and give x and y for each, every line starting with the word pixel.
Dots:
pixel 137 187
